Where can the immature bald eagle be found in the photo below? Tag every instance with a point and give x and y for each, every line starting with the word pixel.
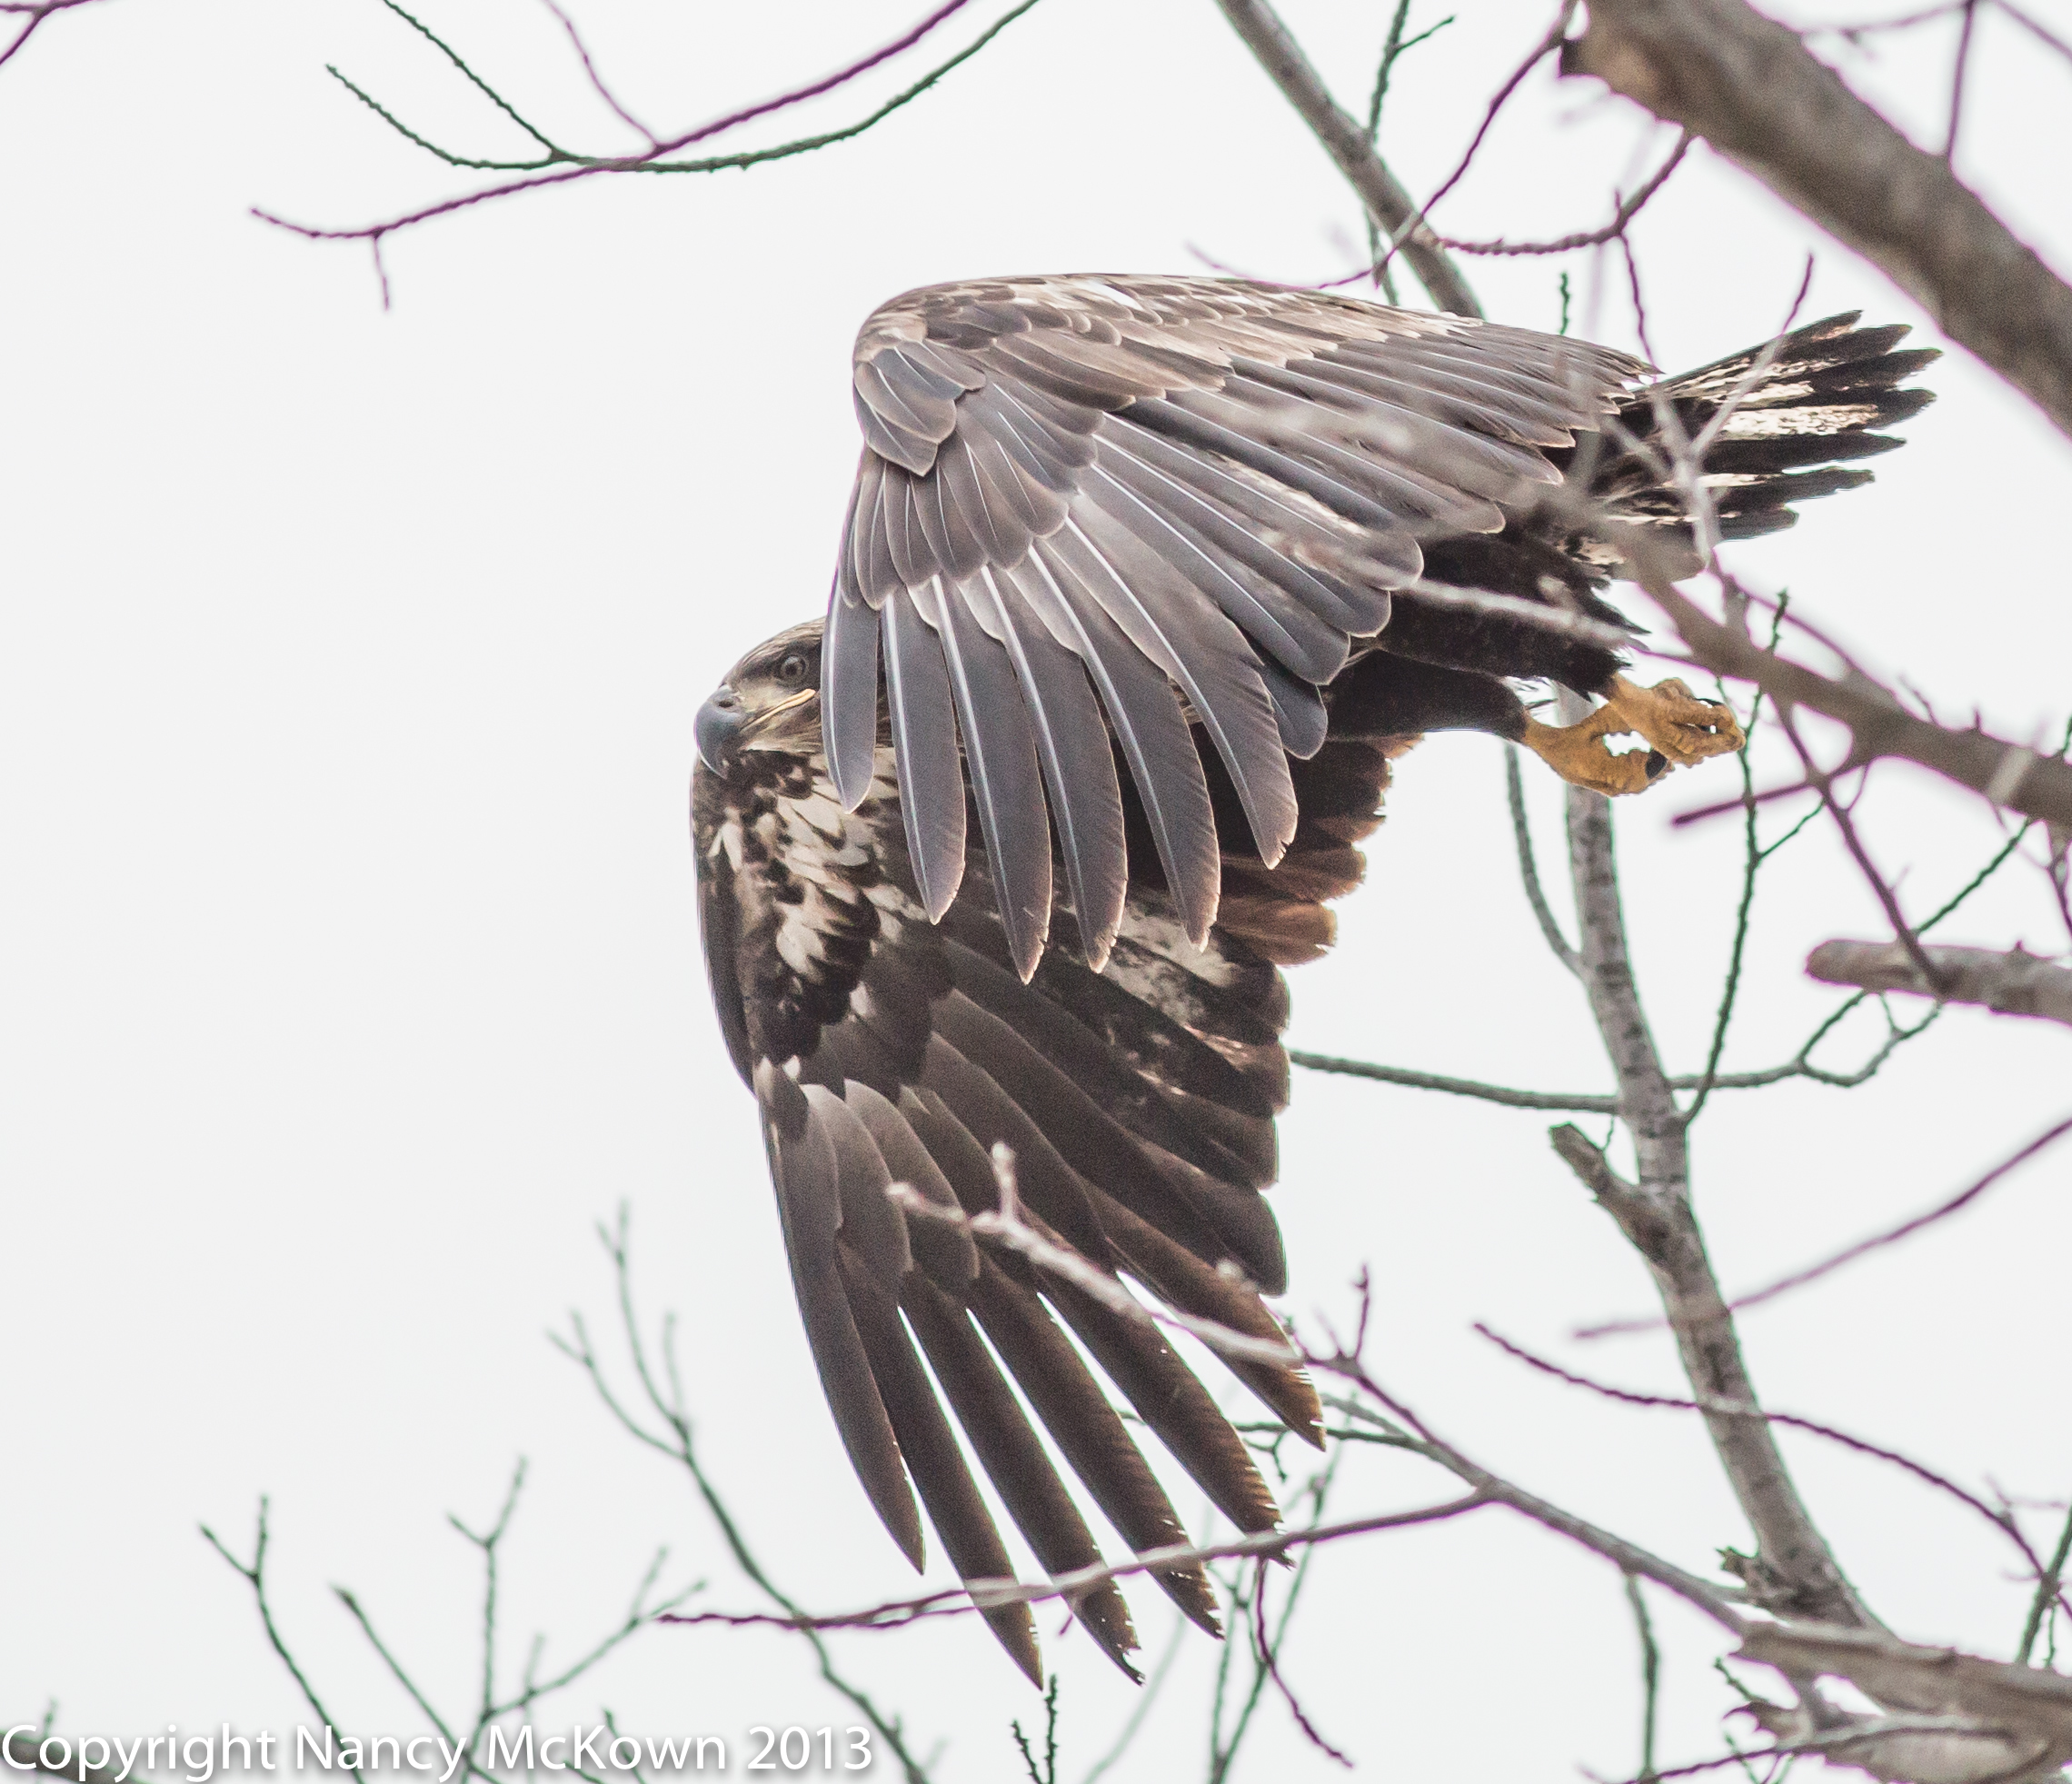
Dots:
pixel 1138 558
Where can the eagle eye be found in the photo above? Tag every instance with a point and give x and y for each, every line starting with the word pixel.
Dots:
pixel 792 671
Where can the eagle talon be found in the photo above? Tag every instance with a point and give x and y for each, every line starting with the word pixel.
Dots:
pixel 1581 756
pixel 1674 720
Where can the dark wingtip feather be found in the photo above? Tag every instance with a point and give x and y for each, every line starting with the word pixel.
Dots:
pixel 1017 1632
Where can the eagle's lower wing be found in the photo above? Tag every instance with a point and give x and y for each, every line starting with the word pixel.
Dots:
pixel 1131 492
pixel 1138 1104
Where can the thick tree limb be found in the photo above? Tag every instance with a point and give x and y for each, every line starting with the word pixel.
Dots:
pixel 1753 90
pixel 1346 143
pixel 2010 775
pixel 2015 984
pixel 1793 1573
pixel 1997 1723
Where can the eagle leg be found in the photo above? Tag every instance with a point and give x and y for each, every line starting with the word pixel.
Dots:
pixel 1672 718
pixel 1579 755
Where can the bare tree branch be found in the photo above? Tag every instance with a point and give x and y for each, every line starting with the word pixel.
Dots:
pixel 1751 88
pixel 1625 211
pixel 1350 147
pixel 2001 1518
pixel 995 1594
pixel 2013 776
pixel 1794 1571
pixel 2013 984
pixel 1006 1226
pixel 1557 943
pixel 1907 1229
pixel 1579 1103
pixel 1997 1723
pixel 569 166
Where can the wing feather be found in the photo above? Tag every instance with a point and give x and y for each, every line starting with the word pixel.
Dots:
pixel 1144 714
pixel 1236 476
pixel 1087 1431
pixel 955 1505
pixel 803 1168
pixel 1014 1458
pixel 1007 783
pixel 924 733
pixel 1078 766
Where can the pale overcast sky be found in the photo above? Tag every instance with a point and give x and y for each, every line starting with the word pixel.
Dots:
pixel 348 964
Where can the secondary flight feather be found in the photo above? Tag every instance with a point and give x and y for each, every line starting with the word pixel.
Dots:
pixel 1126 625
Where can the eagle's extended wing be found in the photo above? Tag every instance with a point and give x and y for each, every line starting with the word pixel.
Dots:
pixel 1190 493
pixel 1138 1102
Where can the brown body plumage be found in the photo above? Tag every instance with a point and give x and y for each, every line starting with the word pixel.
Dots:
pixel 1123 625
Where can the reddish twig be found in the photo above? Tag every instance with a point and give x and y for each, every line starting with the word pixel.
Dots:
pixel 606 93
pixel 1823 782
pixel 1629 208
pixel 1544 48
pixel 2000 1518
pixel 33 14
pixel 993 1594
pixel 652 162
pixel 1268 1660
pixel 1907 1229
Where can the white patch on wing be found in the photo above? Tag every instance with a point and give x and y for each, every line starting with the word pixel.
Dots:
pixel 1772 423
pixel 1161 934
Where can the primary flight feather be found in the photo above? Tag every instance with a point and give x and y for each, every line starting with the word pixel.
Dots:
pixel 1126 622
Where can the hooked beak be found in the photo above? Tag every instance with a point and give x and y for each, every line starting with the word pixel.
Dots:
pixel 723 724
pixel 717 728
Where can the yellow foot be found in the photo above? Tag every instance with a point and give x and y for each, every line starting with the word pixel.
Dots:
pixel 1683 727
pixel 1581 756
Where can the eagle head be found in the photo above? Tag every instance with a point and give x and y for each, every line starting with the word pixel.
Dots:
pixel 768 701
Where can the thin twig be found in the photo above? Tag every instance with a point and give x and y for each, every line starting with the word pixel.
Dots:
pixel 1408 230
pixel 1353 151
pixel 1823 783
pixel 1960 67
pixel 1264 1647
pixel 1562 949
pixel 597 80
pixel 1651 1675
pixel 33 14
pixel 1561 1101
pixel 2046 1592
pixel 1006 1226
pixel 668 1407
pixel 981 1595
pixel 651 163
pixel 1907 1229
pixel 2001 1519
pixel 1628 209
pixel 254 1576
